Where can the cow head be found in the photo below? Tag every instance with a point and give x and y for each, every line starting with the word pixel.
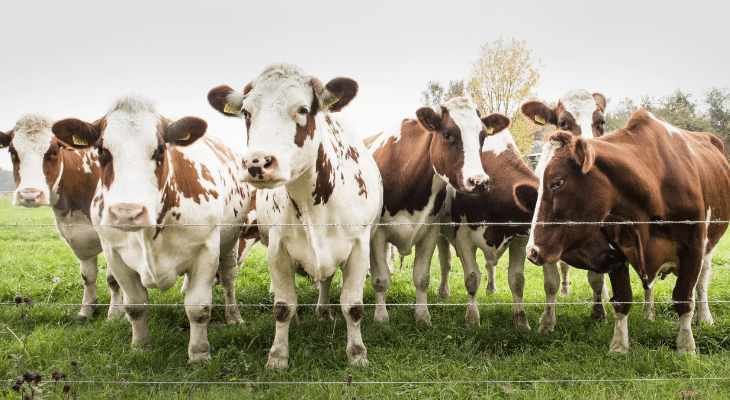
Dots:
pixel 35 156
pixel 131 140
pixel 570 189
pixel 457 136
pixel 577 112
pixel 281 109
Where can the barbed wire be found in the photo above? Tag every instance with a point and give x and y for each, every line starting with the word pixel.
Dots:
pixel 480 223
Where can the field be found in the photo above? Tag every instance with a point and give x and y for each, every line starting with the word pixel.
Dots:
pixel 446 360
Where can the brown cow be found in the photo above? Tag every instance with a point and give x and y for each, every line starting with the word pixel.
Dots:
pixel 649 172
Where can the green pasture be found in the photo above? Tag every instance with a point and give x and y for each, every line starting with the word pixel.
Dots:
pixel 407 361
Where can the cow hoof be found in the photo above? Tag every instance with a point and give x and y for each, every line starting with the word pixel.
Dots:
pixel 599 312
pixel 547 324
pixel 85 313
pixel 324 314
pixel 472 317
pixel 277 363
pixel 618 348
pixel 491 288
pixel 565 290
pixel 423 318
pixel 294 321
pixel 234 320
pixel 361 362
pixel 702 318
pixel 198 358
pixel 519 320
pixel 358 355
pixel 444 292
pixel 140 347
pixel 380 316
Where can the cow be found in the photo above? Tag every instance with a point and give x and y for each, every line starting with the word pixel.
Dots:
pixel 168 203
pixel 319 191
pixel 417 159
pixel 641 178
pixel 49 173
pixel 582 114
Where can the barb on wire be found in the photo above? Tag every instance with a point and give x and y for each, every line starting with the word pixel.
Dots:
pixel 570 223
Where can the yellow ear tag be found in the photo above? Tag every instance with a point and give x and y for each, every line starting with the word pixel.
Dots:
pixel 330 102
pixel 230 108
pixel 186 137
pixel 78 141
pixel 490 130
pixel 539 120
pixel 1 146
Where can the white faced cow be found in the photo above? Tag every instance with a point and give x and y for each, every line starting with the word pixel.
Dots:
pixel 158 177
pixel 310 168
pixel 582 114
pixel 417 159
pixel 47 173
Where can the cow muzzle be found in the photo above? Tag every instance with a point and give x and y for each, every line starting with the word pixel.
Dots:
pixel 31 198
pixel 538 256
pixel 127 216
pixel 262 170
pixel 477 183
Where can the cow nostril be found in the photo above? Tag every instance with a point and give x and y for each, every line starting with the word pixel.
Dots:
pixel 267 159
pixel 255 160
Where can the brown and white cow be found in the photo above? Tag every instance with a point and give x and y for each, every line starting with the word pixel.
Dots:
pixel 169 203
pixel 319 191
pixel 582 114
pixel 417 159
pixel 648 172
pixel 47 173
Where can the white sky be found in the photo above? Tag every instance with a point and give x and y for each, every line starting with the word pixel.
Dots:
pixel 71 58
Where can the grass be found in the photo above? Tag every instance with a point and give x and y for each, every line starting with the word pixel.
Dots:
pixel 402 354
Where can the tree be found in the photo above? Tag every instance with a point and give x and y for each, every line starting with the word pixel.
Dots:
pixel 617 116
pixel 718 113
pixel 436 95
pixel 7 182
pixel 503 76
pixel 679 110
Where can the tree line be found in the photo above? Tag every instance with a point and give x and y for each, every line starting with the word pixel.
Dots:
pixel 505 74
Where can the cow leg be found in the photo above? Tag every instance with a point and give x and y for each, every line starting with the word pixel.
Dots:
pixel 228 271
pixel 648 306
pixel 516 280
pixel 598 283
pixel 115 306
pixel 89 271
pixel 491 268
pixel 621 302
pixel 380 275
pixel 444 251
pixel 199 297
pixel 135 298
pixel 689 267
pixel 422 273
pixel 472 278
pixel 285 305
pixel 323 308
pixel 551 284
pixel 565 287
pixel 703 313
pixel 354 272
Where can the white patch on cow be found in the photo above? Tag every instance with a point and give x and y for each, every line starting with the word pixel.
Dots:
pixel 392 132
pixel 31 140
pixel 463 111
pixel 548 152
pixel 672 130
pixel 499 142
pixel 581 105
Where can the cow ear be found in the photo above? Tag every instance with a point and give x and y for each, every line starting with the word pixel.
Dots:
pixel 5 139
pixel 226 100
pixel 538 112
pixel 601 101
pixel 496 123
pixel 429 118
pixel 185 131
pixel 584 154
pixel 558 136
pixel 525 195
pixel 77 133
pixel 338 93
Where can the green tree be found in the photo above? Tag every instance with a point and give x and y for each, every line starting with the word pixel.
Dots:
pixel 436 95
pixel 718 112
pixel 679 110
pixel 616 116
pixel 7 182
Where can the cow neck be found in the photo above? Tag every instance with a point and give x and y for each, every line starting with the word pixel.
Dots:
pixel 74 188
pixel 409 178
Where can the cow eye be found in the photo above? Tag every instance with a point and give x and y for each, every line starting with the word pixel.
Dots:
pixel 14 156
pixel 555 184
pixel 104 156
pixel 246 114
pixel 303 110
pixel 563 124
pixel 159 154
pixel 448 136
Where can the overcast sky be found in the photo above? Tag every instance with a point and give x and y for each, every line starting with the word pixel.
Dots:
pixel 71 58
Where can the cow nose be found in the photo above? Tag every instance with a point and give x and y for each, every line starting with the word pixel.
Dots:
pixel 477 183
pixel 128 214
pixel 533 253
pixel 259 164
pixel 31 197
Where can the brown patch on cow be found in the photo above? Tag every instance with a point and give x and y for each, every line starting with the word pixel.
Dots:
pixel 224 154
pixel 296 208
pixel 281 312
pixel 76 187
pixel 360 183
pixel 356 312
pixel 438 203
pixel 325 183
pixel 111 281
pixel 206 174
pixel 307 131
pixel 101 205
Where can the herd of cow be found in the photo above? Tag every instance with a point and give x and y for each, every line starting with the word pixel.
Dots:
pixel 162 200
